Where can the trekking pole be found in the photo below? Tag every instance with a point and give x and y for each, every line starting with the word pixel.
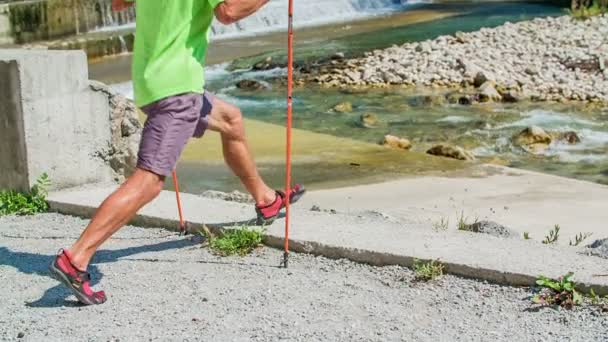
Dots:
pixel 289 114
pixel 182 224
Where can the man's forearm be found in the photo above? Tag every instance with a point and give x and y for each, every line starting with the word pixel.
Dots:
pixel 231 11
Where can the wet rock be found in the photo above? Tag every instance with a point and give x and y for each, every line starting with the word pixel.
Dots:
pixel 368 120
pixel 266 64
pixel 344 107
pixel 599 248
pixel 491 228
pixel 488 93
pixel 337 56
pixel 396 142
pixel 569 137
pixel 454 152
pixel 433 100
pixel 251 85
pixel 511 96
pixel 533 135
pixel 480 78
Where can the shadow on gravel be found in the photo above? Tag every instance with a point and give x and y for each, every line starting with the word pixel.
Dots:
pixel 31 263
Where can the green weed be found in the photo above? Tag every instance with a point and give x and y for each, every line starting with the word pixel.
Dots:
pixel 588 10
pixel 427 271
pixel 32 202
pixel 579 238
pixel 527 236
pixel 442 225
pixel 553 235
pixel 236 241
pixel 560 291
pixel 463 222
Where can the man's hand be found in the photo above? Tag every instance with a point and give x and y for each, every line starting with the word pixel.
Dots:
pixel 121 5
pixel 231 11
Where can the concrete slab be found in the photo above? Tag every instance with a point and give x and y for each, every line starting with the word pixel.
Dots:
pixel 54 122
pixel 371 239
pixel 521 200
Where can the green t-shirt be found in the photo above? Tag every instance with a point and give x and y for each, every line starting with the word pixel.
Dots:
pixel 170 45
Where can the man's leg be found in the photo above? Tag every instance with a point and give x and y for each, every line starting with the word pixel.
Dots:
pixel 171 123
pixel 228 121
pixel 141 188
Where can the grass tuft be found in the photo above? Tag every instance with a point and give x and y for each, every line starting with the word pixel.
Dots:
pixel 236 241
pixel 463 222
pixel 427 271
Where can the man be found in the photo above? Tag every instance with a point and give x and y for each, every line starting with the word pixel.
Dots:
pixel 170 47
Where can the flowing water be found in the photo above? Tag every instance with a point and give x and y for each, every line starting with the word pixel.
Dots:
pixel 485 130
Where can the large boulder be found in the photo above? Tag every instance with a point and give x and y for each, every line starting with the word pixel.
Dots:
pixel 454 152
pixel 251 85
pixel 396 142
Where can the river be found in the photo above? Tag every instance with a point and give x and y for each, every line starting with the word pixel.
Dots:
pixel 485 130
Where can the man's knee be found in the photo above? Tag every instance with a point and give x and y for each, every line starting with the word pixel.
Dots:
pixel 233 118
pixel 147 183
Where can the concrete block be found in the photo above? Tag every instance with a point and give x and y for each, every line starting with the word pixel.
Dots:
pixel 46 74
pixel 51 121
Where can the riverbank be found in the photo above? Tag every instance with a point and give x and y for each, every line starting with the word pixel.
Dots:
pixel 549 59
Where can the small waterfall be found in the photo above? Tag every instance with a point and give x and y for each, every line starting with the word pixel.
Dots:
pixel 123 44
pixel 273 16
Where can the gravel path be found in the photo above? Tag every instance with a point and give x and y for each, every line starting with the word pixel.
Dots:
pixel 163 287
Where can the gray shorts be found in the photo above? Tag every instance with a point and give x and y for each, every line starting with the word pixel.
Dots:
pixel 171 122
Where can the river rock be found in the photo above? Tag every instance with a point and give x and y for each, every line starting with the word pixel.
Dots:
pixel 344 107
pixel 396 142
pixel 569 137
pixel 266 64
pixel 454 152
pixel 599 248
pixel 368 120
pixel 250 85
pixel 491 228
pixel 433 100
pixel 488 93
pixel 533 135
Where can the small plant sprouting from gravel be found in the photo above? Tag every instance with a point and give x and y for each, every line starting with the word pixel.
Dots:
pixel 579 238
pixel 32 202
pixel 527 236
pixel 236 241
pixel 442 225
pixel 553 235
pixel 427 271
pixel 596 300
pixel 463 222
pixel 560 292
